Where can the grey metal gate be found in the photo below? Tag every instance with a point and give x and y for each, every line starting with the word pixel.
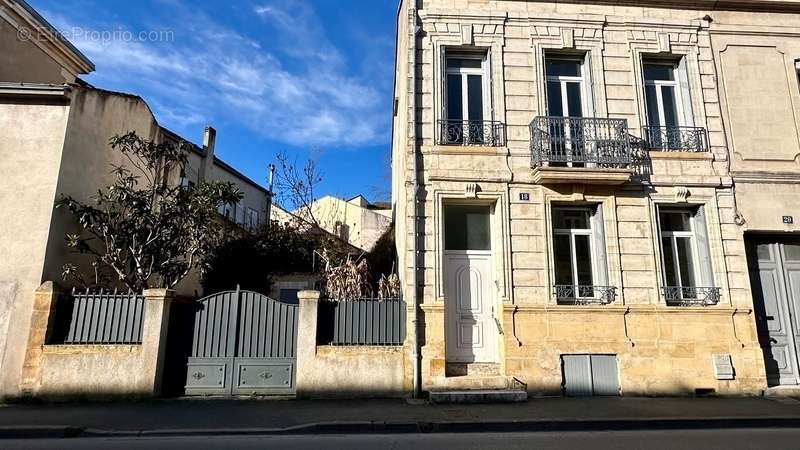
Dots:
pixel 244 343
pixel 775 277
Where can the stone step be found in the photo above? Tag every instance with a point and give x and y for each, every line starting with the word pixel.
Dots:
pixel 478 396
pixel 470 383
pixel 472 369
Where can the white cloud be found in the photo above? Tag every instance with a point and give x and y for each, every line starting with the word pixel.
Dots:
pixel 211 73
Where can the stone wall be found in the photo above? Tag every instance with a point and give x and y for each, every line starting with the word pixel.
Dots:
pixel 67 372
pixel 345 371
pixel 661 349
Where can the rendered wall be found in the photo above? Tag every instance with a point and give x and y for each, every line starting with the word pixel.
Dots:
pixel 30 157
pixel 68 372
pixel 345 371
pixel 24 61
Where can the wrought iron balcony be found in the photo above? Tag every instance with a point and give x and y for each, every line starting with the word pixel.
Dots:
pixel 580 142
pixel 471 132
pixel 567 294
pixel 691 296
pixel 676 139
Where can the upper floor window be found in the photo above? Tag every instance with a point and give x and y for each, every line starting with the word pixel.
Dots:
pixel 465 89
pixel 662 94
pixel 467 101
pixel 668 107
pixel 685 257
pixel 252 216
pixel 581 275
pixel 565 86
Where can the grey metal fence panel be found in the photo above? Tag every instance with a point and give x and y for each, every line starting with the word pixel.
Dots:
pixel 365 322
pixel 213 335
pixel 267 328
pixel 102 318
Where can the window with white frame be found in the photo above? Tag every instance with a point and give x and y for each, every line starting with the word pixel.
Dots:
pixel 467 100
pixel 229 211
pixel 240 214
pixel 252 216
pixel 797 70
pixel 662 94
pixel 668 106
pixel 580 270
pixel 566 86
pixel 685 259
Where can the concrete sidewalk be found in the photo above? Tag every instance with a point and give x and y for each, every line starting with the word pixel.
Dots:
pixel 210 416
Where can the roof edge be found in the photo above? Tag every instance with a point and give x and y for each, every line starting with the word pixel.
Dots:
pixel 82 64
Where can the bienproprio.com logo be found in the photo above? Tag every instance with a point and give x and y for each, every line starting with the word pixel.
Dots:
pixel 103 36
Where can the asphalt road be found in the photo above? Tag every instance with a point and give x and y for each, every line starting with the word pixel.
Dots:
pixel 729 439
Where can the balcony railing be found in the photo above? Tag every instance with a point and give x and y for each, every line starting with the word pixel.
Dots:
pixel 676 139
pixel 691 296
pixel 567 294
pixel 471 132
pixel 580 142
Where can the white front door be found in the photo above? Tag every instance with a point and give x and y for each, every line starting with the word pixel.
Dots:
pixel 471 329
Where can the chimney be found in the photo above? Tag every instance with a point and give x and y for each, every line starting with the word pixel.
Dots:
pixel 209 141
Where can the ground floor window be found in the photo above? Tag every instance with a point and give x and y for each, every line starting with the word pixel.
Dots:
pixel 580 270
pixel 686 264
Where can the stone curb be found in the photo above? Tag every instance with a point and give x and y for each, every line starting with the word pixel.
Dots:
pixel 44 432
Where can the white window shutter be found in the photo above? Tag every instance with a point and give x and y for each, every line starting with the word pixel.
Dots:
pixel 599 248
pixel 686 95
pixel 703 252
pixel 588 87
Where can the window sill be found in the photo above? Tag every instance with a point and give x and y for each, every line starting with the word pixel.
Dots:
pixel 583 175
pixel 470 149
pixel 676 154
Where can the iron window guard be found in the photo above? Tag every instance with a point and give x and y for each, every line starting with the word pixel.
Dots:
pixel 676 139
pixel 567 294
pixel 691 296
pixel 471 132
pixel 580 142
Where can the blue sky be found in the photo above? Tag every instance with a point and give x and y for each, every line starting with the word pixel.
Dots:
pixel 311 77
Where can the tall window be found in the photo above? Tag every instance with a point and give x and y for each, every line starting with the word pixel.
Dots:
pixel 669 110
pixel 566 97
pixel 662 94
pixel 579 255
pixel 684 253
pixel 565 86
pixel 252 216
pixel 466 98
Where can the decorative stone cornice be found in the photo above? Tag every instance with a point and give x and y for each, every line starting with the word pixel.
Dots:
pixel 711 5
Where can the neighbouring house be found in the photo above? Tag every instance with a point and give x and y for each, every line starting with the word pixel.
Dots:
pixel 582 188
pixel 54 140
pixel 355 221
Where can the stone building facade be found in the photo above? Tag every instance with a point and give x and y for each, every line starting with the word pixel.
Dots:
pixel 578 185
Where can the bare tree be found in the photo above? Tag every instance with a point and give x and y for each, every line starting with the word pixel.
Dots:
pixel 297 186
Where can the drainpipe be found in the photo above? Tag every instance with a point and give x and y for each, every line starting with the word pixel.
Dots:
pixel 270 194
pixel 416 353
pixel 209 142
